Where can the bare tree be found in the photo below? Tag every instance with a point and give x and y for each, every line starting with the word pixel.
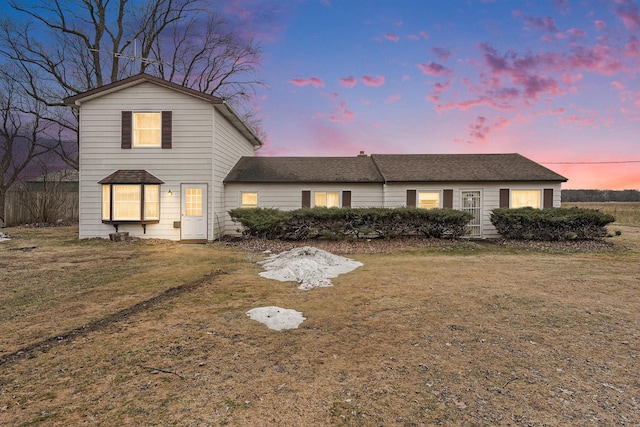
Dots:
pixel 77 45
pixel 21 132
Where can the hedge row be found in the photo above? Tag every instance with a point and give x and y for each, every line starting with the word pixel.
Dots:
pixel 551 224
pixel 335 223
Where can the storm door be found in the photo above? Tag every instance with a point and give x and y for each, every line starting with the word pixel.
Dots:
pixel 471 203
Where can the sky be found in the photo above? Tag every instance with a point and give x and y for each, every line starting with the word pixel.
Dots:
pixel 557 81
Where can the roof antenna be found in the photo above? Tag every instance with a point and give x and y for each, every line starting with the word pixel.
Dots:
pixel 134 57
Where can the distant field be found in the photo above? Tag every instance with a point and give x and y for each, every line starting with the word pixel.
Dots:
pixel 627 213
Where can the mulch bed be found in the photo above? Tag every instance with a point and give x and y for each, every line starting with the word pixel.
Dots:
pixel 376 246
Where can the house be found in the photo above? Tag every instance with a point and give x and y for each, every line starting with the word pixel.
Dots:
pixel 160 160
pixel 153 155
pixel 476 183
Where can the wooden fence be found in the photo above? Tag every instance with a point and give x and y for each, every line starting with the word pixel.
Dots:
pixel 26 207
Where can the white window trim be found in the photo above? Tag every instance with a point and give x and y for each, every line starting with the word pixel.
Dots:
pixel 133 130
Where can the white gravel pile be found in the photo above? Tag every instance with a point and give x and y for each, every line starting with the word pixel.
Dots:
pixel 309 266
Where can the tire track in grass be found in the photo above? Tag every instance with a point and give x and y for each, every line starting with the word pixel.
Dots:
pixel 32 350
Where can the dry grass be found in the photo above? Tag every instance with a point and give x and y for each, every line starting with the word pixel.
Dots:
pixel 460 334
pixel 627 213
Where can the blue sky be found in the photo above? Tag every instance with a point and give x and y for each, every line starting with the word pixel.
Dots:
pixel 556 81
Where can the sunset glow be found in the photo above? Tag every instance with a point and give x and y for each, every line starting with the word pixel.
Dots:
pixel 556 81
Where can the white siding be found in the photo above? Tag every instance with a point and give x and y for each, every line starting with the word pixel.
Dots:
pixel 289 196
pixel 396 196
pixel 229 146
pixel 188 161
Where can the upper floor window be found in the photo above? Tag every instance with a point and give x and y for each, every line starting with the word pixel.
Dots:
pixel 248 200
pixel 428 199
pixel 147 129
pixel 328 199
pixel 526 198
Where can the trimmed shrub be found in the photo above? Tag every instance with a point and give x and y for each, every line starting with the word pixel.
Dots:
pixel 338 224
pixel 551 224
pixel 260 222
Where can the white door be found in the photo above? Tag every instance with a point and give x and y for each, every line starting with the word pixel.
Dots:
pixel 194 212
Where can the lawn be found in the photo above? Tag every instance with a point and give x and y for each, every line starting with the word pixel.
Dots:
pixel 424 333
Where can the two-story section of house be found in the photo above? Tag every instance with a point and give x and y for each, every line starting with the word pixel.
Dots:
pixel 153 155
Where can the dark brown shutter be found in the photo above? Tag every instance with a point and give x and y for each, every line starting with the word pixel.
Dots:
pixel 548 198
pixel 447 199
pixel 504 198
pixel 306 199
pixel 127 129
pixel 166 129
pixel 346 199
pixel 411 198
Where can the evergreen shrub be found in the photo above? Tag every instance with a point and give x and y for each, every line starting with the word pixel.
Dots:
pixel 551 224
pixel 351 223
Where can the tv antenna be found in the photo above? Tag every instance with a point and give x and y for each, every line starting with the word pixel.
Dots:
pixel 133 57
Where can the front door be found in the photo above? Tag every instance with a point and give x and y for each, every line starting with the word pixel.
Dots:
pixel 194 212
pixel 471 203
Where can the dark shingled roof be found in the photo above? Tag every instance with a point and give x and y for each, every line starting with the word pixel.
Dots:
pixel 131 177
pixel 305 169
pixel 391 168
pixel 461 167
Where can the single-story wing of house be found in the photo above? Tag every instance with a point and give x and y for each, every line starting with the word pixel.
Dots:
pixel 164 161
pixel 475 183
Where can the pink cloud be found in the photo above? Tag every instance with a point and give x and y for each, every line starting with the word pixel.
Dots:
pixel 628 14
pixel 392 37
pixel 398 23
pixel 580 121
pixel 434 69
pixel 570 80
pixel 391 99
pixel 617 85
pixel 632 48
pixel 315 81
pixel 575 32
pixel 372 81
pixel 348 81
pixel 438 90
pixel 441 53
pixel 545 24
pixel 479 130
pixel 341 114
pixel 600 25
pixel 424 35
pixel 413 37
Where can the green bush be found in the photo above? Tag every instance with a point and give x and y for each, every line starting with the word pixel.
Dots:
pixel 260 222
pixel 351 223
pixel 551 224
